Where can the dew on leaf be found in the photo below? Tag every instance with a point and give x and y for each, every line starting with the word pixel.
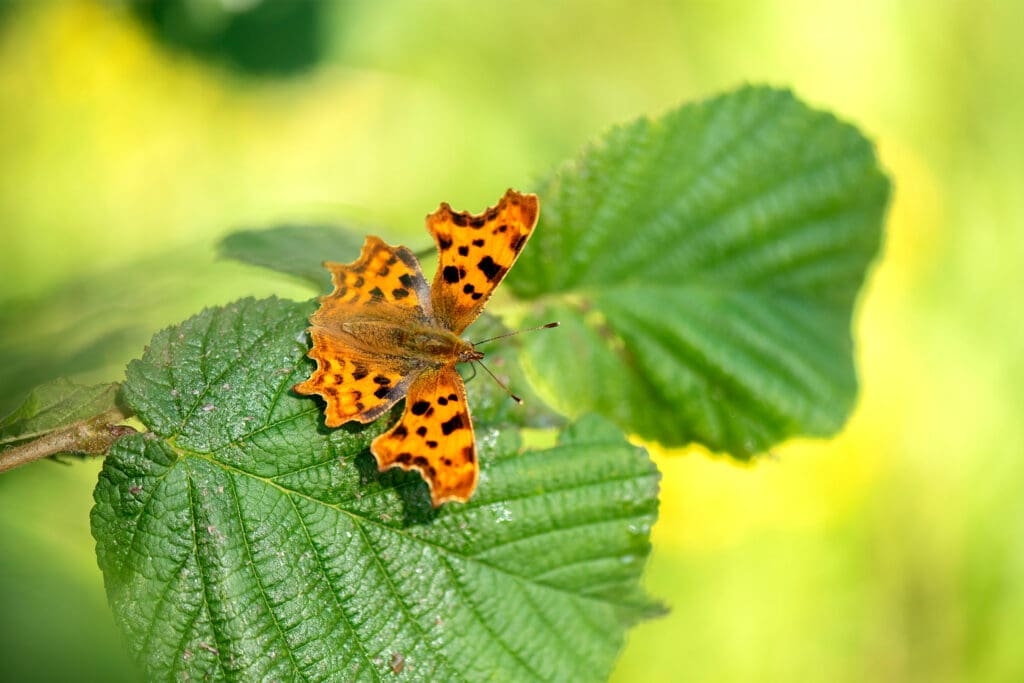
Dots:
pixel 502 514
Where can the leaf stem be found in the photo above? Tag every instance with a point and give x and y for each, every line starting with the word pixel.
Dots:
pixel 92 436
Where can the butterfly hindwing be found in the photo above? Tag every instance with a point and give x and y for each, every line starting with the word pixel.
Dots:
pixel 434 436
pixel 475 252
pixel 354 384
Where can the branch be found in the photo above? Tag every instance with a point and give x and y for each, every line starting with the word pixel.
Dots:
pixel 92 436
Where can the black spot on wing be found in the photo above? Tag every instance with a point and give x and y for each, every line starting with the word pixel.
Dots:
pixel 489 268
pixel 420 407
pixel 451 425
pixel 451 274
pixel 406 280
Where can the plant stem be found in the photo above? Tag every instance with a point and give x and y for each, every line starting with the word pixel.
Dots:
pixel 92 436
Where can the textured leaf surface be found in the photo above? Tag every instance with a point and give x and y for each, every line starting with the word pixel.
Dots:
pixel 54 405
pixel 294 249
pixel 242 540
pixel 704 266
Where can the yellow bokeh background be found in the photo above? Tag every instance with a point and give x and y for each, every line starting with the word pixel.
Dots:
pixel 893 552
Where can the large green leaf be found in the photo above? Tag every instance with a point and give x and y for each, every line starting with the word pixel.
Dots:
pixel 243 540
pixel 704 266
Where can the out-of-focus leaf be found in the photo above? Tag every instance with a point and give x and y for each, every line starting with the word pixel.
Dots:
pixel 243 540
pixel 704 266
pixel 293 249
pixel 266 37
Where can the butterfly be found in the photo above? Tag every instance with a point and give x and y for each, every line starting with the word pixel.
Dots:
pixel 383 334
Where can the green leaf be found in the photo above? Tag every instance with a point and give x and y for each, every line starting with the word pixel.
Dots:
pixel 54 405
pixel 243 540
pixel 294 249
pixel 704 266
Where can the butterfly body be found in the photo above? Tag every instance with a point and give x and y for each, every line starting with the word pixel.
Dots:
pixel 384 334
pixel 426 343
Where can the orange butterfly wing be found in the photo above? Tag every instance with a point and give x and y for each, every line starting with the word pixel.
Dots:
pixel 434 436
pixel 475 252
pixel 359 374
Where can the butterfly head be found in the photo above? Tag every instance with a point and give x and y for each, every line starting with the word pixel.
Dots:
pixel 469 354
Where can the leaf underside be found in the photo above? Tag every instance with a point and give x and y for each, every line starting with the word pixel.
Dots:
pixel 54 405
pixel 242 540
pixel 704 266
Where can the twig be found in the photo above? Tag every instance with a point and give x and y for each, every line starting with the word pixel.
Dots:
pixel 92 436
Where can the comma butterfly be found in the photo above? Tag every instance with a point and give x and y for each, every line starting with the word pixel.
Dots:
pixel 383 335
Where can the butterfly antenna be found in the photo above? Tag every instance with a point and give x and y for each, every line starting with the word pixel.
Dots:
pixel 500 383
pixel 510 334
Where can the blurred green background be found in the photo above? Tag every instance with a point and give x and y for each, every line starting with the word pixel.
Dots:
pixel 133 135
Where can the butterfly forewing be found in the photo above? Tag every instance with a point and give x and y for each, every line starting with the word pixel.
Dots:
pixel 434 436
pixel 475 252
pixel 382 275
